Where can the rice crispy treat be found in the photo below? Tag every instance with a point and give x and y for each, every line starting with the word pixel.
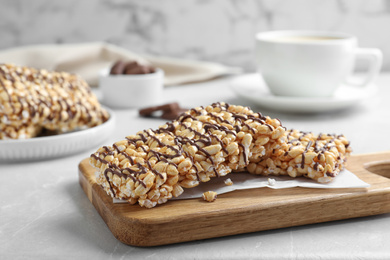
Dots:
pixel 319 157
pixel 153 166
pixel 32 99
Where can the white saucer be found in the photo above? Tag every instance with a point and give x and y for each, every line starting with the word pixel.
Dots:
pixel 47 147
pixel 252 88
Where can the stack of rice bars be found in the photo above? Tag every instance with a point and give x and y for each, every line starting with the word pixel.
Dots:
pixel 152 166
pixel 33 100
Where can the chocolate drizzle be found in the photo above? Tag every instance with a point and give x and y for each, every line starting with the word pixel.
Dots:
pixel 244 152
pixel 315 167
pixel 303 154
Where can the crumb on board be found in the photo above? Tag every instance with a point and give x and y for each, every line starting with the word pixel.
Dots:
pixel 209 196
pixel 228 182
pixel 271 181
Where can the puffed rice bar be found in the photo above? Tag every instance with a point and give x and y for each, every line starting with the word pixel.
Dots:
pixel 154 165
pixel 319 157
pixel 31 99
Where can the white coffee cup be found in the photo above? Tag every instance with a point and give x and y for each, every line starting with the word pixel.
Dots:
pixel 311 63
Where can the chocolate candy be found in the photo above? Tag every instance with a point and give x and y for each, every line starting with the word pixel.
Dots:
pixel 131 68
pixel 118 68
pixel 168 111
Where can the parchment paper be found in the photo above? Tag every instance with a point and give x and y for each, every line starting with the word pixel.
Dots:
pixel 345 179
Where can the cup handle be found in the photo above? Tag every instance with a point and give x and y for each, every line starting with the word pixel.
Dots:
pixel 374 57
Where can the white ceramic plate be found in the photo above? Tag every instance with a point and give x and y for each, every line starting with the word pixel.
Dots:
pixel 252 87
pixel 57 145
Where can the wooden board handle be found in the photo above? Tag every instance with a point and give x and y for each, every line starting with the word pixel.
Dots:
pixel 377 163
pixel 381 168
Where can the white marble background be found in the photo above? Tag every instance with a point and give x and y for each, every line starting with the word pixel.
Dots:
pixel 213 30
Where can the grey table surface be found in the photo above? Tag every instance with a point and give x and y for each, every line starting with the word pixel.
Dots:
pixel 44 213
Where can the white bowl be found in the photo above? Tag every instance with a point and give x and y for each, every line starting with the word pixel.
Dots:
pixel 131 91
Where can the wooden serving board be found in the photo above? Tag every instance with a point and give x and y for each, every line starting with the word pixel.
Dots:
pixel 243 211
